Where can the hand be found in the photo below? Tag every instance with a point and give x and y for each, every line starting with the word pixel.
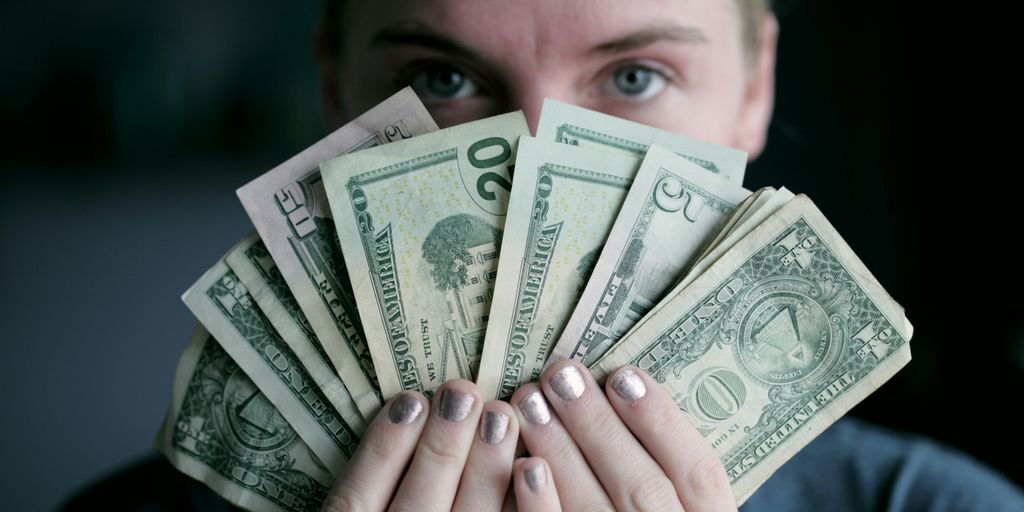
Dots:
pixel 461 456
pixel 627 448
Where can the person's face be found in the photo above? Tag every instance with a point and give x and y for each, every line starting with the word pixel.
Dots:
pixel 674 64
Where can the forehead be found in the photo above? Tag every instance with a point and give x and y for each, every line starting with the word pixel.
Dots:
pixel 565 28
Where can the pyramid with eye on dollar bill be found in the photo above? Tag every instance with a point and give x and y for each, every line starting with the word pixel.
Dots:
pixel 394 256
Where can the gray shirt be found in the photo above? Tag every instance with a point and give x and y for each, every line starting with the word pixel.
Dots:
pixel 852 465
pixel 855 465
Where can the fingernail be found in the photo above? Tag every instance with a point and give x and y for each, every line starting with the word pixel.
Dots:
pixel 535 409
pixel 536 476
pixel 628 384
pixel 456 404
pixel 568 383
pixel 494 427
pixel 405 409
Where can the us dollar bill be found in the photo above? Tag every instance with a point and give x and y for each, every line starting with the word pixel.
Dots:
pixel 768 203
pixel 420 224
pixel 741 212
pixel 251 262
pixel 777 339
pixel 577 126
pixel 671 210
pixel 221 430
pixel 564 201
pixel 289 209
pixel 226 309
pixel 760 206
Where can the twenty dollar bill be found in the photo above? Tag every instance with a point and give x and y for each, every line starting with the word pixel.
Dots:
pixel 564 201
pixel 420 224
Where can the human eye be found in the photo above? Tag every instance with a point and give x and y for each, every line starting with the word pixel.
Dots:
pixel 437 83
pixel 634 81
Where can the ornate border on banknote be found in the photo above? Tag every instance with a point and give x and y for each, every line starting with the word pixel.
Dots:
pixel 637 148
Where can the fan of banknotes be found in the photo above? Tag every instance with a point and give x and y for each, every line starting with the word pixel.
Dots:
pixel 394 256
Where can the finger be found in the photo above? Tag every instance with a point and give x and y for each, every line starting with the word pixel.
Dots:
pixel 488 472
pixel 630 477
pixel 685 456
pixel 433 476
pixel 534 487
pixel 373 473
pixel 546 437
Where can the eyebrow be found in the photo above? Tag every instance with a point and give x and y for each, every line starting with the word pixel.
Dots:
pixel 419 35
pixel 651 35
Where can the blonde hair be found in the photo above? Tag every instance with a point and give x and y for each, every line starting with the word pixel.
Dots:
pixel 752 13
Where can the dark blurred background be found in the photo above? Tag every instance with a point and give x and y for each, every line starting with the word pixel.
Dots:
pixel 127 127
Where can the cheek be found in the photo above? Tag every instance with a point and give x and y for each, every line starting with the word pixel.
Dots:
pixel 704 114
pixel 708 109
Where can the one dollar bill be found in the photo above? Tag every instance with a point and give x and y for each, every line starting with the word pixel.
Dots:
pixel 226 309
pixel 221 430
pixel 777 339
pixel 251 262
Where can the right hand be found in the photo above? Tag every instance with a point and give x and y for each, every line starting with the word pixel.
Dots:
pixel 459 452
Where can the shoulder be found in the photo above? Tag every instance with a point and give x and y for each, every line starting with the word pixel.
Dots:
pixel 152 485
pixel 855 465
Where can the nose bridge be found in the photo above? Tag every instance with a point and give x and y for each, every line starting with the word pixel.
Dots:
pixel 529 97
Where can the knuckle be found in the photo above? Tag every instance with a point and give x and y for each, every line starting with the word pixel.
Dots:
pixel 662 418
pixel 438 451
pixel 594 422
pixel 380 446
pixel 592 504
pixel 343 499
pixel 652 415
pixel 651 494
pixel 556 451
pixel 706 479
pixel 407 507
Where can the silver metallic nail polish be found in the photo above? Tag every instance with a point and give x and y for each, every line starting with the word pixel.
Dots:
pixel 536 476
pixel 568 383
pixel 456 404
pixel 628 384
pixel 405 409
pixel 535 409
pixel 494 427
